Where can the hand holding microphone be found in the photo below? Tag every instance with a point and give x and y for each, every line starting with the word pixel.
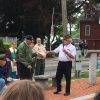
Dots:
pixel 65 51
pixel 68 53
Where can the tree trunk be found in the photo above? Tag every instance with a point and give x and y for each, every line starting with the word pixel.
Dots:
pixel 64 16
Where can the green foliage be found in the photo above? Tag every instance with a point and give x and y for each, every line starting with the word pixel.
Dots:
pixel 2 55
pixel 6 46
pixel 75 34
pixel 32 17
pixel 84 75
pixel 60 31
pixel 98 73
pixel 96 1
pixel 3 47
pixel 1 43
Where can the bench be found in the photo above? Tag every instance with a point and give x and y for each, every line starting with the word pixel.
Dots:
pixel 44 80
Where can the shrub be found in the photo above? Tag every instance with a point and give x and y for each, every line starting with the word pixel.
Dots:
pixel 3 47
pixel 6 46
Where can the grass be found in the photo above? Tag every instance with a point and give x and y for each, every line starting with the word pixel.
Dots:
pixel 2 55
pixel 82 75
pixel 98 73
pixel 86 75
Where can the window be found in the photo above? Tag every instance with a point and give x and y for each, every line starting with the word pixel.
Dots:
pixel 87 30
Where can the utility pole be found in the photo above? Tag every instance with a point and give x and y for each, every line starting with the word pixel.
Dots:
pixel 64 16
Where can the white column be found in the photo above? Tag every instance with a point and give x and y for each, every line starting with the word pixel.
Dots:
pixel 92 68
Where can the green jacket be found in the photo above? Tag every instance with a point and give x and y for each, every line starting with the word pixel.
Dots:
pixel 24 54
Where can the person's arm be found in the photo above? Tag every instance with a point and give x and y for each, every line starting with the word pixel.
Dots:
pixel 56 50
pixel 8 55
pixel 50 52
pixel 70 54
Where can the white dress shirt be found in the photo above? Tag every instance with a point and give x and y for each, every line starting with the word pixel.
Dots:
pixel 62 56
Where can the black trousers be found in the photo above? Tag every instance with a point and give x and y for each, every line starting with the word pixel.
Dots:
pixel 64 68
pixel 24 72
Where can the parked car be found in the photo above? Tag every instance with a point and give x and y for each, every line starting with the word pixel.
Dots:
pixel 76 42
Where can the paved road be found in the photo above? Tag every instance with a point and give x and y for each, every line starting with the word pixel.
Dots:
pixel 51 65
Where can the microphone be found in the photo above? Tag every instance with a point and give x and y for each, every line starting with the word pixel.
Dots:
pixel 63 45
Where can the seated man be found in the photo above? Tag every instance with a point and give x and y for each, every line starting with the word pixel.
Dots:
pixel 4 77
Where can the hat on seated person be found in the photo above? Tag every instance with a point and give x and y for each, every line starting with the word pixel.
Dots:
pixel 29 37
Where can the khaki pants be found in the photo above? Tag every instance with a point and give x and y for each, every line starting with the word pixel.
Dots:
pixel 40 67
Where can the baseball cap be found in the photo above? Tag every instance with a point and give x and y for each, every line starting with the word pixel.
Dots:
pixel 29 37
pixel 68 36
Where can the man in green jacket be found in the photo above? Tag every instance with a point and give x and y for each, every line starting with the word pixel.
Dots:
pixel 24 58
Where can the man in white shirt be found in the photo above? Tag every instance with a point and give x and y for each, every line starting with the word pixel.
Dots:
pixel 67 52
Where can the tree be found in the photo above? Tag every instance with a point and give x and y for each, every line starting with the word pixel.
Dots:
pixel 64 16
pixel 21 17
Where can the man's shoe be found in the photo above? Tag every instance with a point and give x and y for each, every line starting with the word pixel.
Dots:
pixel 66 94
pixel 57 91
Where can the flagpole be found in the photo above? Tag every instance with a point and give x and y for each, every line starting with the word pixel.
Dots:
pixel 52 29
pixel 52 16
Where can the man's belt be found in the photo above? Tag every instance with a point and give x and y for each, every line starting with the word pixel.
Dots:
pixel 64 61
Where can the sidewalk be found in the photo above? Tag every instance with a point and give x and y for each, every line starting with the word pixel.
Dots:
pixel 80 90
